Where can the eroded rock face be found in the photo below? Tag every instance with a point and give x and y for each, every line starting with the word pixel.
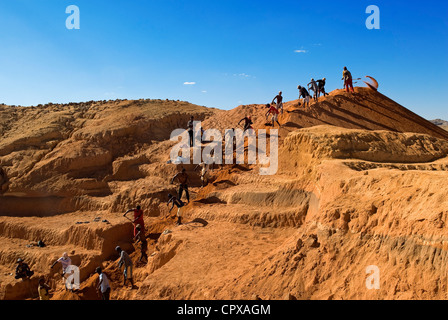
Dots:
pixel 61 153
pixel 361 182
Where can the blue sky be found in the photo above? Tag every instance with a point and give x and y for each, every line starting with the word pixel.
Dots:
pixel 235 52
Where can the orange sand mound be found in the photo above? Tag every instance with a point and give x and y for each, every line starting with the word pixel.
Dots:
pixel 361 182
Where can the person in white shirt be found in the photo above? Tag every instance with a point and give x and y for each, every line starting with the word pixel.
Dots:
pixel 126 261
pixel 65 262
pixel 103 284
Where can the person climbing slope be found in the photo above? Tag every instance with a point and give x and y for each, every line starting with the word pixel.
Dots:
pixel 321 87
pixel 183 179
pixel 65 261
pixel 313 87
pixel 43 289
pixel 103 284
pixel 274 112
pixel 179 204
pixel 348 80
pixel 125 261
pixel 306 96
pixel 279 102
pixel 140 237
pixel 138 218
pixel 190 126
pixel 247 123
pixel 204 173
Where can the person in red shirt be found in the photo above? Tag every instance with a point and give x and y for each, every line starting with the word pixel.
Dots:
pixel 348 80
pixel 273 110
pixel 138 219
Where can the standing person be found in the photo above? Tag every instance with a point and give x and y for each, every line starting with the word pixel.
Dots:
pixel 65 262
pixel 2 175
pixel 43 290
pixel 140 237
pixel 3 180
pixel 247 122
pixel 103 284
pixel 183 179
pixel 23 271
pixel 204 173
pixel 348 80
pixel 313 87
pixel 279 102
pixel 128 266
pixel 138 218
pixel 190 126
pixel 321 87
pixel 306 96
pixel 179 204
pixel 272 110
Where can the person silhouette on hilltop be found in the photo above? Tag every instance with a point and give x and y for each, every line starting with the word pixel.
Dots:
pixel 305 94
pixel 279 103
pixel 348 80
pixel 321 87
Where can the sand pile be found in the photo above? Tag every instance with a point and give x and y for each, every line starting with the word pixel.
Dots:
pixel 360 183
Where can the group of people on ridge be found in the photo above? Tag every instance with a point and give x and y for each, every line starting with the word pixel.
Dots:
pixel 316 86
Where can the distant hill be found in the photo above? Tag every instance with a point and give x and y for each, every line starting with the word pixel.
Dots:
pixel 441 123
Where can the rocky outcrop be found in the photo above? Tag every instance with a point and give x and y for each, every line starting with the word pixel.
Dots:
pixel 361 183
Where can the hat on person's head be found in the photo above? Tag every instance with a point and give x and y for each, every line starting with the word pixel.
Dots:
pixel 117 248
pixel 19 260
pixel 138 227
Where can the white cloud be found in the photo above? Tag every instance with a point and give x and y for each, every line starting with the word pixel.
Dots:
pixel 243 75
pixel 189 83
pixel 204 91
pixel 300 51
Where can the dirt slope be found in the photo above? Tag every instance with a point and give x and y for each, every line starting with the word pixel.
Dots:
pixel 365 109
pixel 361 182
